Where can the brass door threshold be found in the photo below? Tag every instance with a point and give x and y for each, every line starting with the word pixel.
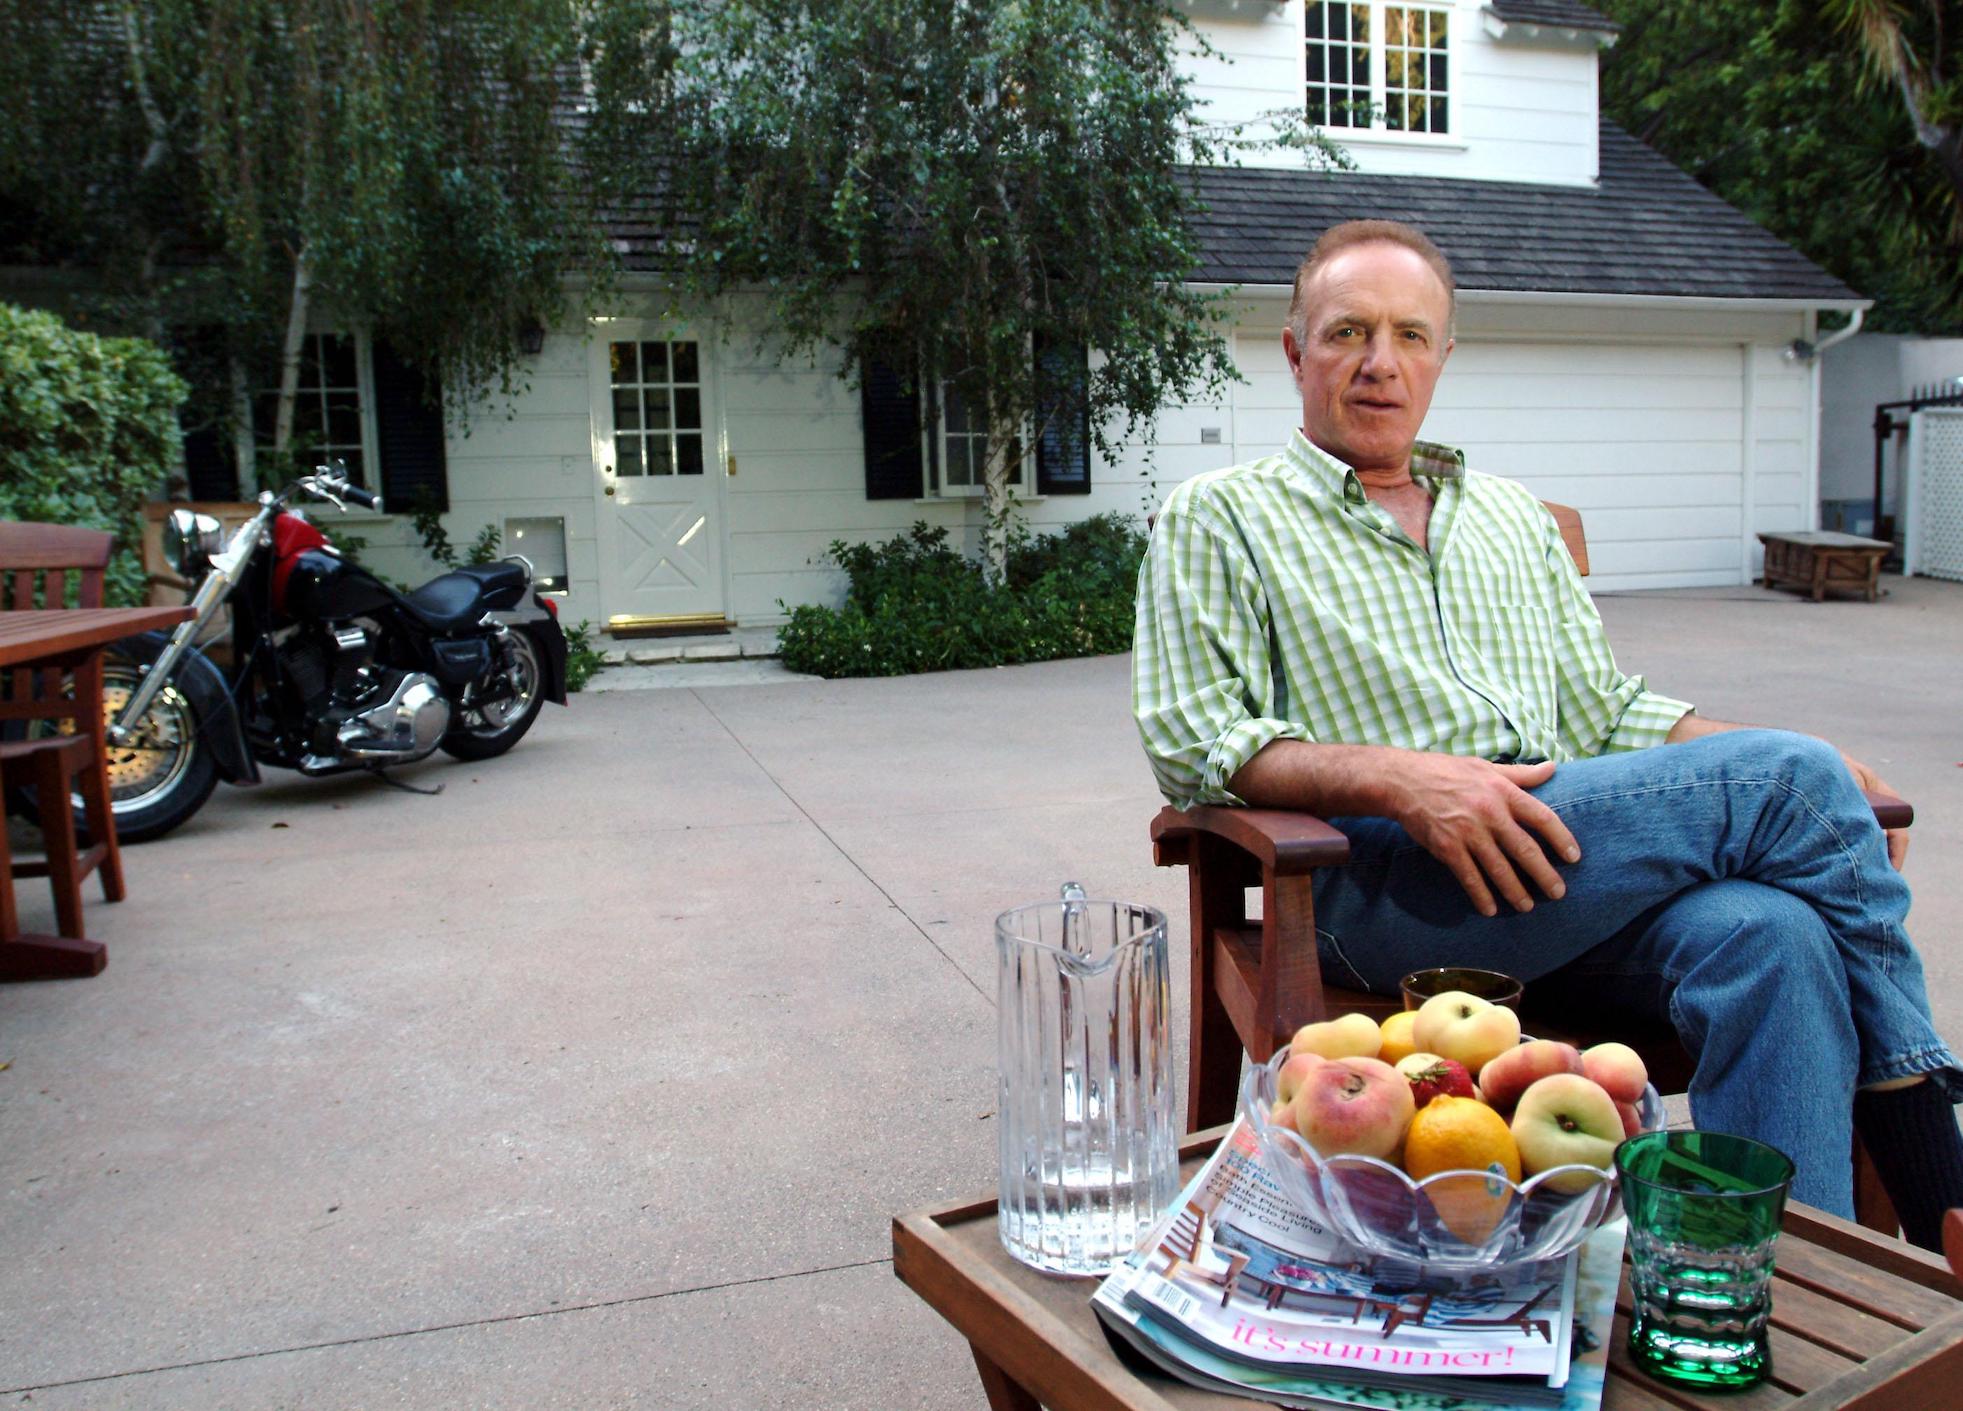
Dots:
pixel 702 625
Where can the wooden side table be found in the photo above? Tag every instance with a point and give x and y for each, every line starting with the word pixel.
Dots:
pixel 1860 1323
pixel 1821 560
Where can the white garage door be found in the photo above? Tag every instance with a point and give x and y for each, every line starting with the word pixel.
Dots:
pixel 1645 441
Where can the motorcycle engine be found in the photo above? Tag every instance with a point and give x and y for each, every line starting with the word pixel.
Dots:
pixel 359 711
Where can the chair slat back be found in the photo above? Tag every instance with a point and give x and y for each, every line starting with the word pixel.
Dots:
pixel 1569 522
pixel 69 562
pixel 47 566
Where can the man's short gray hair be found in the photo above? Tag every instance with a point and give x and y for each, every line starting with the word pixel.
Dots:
pixel 1351 233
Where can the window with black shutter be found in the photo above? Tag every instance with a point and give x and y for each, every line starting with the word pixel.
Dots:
pixel 1063 441
pixel 889 410
pixel 408 434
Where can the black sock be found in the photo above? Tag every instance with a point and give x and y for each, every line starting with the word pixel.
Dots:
pixel 1911 1135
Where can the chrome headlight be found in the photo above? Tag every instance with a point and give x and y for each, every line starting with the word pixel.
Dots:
pixel 190 539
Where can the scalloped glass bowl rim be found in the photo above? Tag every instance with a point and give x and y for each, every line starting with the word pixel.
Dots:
pixel 1257 1096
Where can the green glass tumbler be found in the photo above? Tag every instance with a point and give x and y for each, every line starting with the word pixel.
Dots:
pixel 1704 1212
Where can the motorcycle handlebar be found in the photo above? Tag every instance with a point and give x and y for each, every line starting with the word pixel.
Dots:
pixel 367 499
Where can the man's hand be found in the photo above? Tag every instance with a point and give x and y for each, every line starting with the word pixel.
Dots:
pixel 1475 817
pixel 1867 779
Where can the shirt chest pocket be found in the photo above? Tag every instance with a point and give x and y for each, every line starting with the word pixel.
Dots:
pixel 1511 646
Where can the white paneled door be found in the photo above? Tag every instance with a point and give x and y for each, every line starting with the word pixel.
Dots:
pixel 659 496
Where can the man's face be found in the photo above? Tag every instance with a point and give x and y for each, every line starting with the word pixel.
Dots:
pixel 1379 323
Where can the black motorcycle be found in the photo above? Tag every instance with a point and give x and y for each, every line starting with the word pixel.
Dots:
pixel 331 669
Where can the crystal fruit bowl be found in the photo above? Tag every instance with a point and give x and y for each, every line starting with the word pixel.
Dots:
pixel 1454 1218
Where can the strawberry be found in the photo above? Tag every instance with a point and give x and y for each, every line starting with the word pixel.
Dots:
pixel 1441 1077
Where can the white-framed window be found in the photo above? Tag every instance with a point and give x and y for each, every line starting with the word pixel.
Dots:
pixel 958 448
pixel 333 407
pixel 1373 65
pixel 657 406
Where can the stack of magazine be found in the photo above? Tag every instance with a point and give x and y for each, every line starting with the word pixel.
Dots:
pixel 1238 1290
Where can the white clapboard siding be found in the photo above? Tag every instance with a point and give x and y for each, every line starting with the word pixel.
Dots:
pixel 1519 112
pixel 1649 437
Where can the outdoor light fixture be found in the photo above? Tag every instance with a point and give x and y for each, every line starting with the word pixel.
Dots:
pixel 531 337
pixel 1798 351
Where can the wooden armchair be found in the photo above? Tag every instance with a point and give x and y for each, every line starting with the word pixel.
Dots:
pixel 1187 1244
pixel 1255 981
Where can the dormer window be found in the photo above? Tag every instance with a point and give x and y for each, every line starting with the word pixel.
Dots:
pixel 1377 66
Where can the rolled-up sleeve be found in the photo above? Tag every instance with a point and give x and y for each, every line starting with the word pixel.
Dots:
pixel 1602 711
pixel 1202 684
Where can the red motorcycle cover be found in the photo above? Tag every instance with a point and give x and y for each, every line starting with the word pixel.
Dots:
pixel 292 537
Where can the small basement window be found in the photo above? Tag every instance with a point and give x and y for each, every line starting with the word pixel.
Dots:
pixel 542 543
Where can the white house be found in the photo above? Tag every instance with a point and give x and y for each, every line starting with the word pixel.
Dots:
pixel 1627 344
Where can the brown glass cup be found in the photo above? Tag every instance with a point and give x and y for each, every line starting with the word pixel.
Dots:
pixel 1421 985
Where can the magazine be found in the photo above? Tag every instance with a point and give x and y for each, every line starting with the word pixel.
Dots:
pixel 1239 1290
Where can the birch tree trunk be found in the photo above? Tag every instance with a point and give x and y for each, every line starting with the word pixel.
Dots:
pixel 289 362
pixel 1004 441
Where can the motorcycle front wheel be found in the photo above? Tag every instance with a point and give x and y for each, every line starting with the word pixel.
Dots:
pixel 157 780
pixel 480 730
pixel 165 773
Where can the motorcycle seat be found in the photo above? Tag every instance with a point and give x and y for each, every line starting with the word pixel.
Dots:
pixel 457 599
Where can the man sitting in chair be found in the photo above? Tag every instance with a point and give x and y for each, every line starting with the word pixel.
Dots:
pixel 1360 628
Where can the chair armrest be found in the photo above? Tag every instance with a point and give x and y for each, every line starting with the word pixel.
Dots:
pixel 1286 844
pixel 1289 844
pixel 1889 811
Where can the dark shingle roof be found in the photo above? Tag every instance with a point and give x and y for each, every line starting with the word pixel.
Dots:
pixel 1645 228
pixel 1561 14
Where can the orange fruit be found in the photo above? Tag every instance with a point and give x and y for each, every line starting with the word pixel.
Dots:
pixel 1397 1038
pixel 1463 1134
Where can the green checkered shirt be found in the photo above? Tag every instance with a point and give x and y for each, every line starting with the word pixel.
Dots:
pixel 1278 602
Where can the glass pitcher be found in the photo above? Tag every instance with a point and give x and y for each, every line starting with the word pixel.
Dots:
pixel 1084 1081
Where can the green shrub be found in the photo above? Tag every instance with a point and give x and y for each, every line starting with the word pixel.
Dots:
pixel 88 430
pixel 582 657
pixel 915 604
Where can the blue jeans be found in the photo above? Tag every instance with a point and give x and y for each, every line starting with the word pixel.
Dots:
pixel 1736 885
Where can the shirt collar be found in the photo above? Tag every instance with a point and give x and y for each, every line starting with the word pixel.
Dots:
pixel 1429 460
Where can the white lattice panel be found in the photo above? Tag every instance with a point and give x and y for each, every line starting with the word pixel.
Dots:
pixel 1938 472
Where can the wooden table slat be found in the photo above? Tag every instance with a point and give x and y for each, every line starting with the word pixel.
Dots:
pixel 27 634
pixel 1833 1324
pixel 1849 1281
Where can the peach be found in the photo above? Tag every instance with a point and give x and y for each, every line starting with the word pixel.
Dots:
pixel 1352 1036
pixel 1354 1106
pixel 1619 1069
pixel 1503 1079
pixel 1465 1027
pixel 1632 1118
pixel 1566 1119
pixel 1396 1042
pixel 1288 1080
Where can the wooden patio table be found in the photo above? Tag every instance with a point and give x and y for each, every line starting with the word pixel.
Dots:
pixel 1859 1321
pixel 68 640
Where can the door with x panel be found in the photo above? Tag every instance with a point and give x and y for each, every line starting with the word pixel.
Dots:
pixel 660 493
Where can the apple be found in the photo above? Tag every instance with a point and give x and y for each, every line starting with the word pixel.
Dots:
pixel 1632 1118
pixel 1465 1027
pixel 1503 1080
pixel 1352 1036
pixel 1288 1080
pixel 1619 1069
pixel 1395 1039
pixel 1431 1076
pixel 1354 1106
pixel 1566 1120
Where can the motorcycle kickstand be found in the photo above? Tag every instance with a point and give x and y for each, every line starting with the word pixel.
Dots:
pixel 393 783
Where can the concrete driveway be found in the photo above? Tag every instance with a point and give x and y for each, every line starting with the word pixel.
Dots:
pixel 595 1080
